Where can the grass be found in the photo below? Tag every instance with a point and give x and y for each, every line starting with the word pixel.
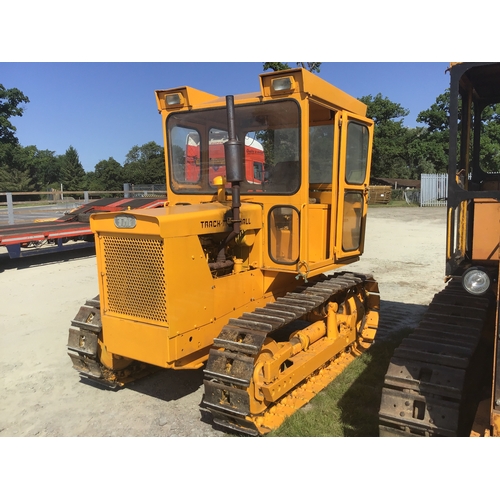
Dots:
pixel 349 405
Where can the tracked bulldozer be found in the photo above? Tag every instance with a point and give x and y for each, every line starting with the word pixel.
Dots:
pixel 448 367
pixel 238 272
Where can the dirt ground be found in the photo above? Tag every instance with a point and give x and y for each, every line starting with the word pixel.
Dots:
pixel 43 396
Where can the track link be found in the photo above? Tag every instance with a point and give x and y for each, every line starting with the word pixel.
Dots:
pixel 425 386
pixel 232 361
pixel 83 349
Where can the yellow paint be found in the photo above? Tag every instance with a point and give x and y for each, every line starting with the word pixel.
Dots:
pixel 163 300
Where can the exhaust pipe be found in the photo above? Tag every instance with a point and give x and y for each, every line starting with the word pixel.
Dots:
pixel 235 173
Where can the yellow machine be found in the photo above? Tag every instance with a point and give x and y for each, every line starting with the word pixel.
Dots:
pixel 267 192
pixel 436 377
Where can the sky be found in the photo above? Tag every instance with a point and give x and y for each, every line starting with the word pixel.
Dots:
pixel 90 73
pixel 103 109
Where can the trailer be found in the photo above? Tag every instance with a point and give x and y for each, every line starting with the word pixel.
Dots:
pixel 69 232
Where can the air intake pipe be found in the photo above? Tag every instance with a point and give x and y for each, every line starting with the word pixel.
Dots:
pixel 235 173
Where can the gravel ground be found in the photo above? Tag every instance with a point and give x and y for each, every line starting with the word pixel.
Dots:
pixel 43 396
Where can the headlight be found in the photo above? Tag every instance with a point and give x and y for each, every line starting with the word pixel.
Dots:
pixel 476 281
pixel 174 99
pixel 286 84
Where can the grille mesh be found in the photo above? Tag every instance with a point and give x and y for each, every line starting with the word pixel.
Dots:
pixel 135 277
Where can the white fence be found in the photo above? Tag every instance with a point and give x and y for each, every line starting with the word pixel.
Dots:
pixel 433 190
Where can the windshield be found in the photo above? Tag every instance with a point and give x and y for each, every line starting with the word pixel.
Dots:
pixel 270 134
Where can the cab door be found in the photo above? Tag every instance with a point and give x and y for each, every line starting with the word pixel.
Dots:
pixel 356 139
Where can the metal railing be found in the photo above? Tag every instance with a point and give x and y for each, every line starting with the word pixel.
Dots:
pixel 57 197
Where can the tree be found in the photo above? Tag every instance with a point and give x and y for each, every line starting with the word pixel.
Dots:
pixel 47 170
pixel 10 100
pixel 435 136
pixel 389 156
pixel 145 164
pixel 313 67
pixel 490 138
pixel 73 173
pixel 15 168
pixel 15 180
pixel 275 66
pixel 422 156
pixel 108 175
pixel 14 174
pixel 15 171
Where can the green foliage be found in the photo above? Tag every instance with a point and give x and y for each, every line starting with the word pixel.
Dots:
pixel 47 169
pixel 435 137
pixel 178 156
pixel 145 164
pixel 13 181
pixel 275 66
pixel 389 156
pixel 490 139
pixel 10 105
pixel 402 152
pixel 28 166
pixel 72 172
pixel 382 111
pixel 438 115
pixel 108 176
pixel 15 173
pixel 433 141
pixel 313 67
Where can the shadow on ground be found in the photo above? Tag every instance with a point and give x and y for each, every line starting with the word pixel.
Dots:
pixel 360 404
pixel 163 384
pixel 27 261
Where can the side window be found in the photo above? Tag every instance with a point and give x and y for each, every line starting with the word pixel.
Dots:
pixel 185 153
pixel 278 152
pixel 321 154
pixel 284 235
pixel 254 162
pixel 216 154
pixel 351 225
pixel 357 153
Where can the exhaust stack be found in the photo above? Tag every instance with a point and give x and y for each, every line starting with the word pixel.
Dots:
pixel 235 173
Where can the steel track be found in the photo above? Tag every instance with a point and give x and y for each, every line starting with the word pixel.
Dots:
pixel 426 387
pixel 83 341
pixel 231 363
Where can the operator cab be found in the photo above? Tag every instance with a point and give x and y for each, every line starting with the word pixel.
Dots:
pixel 473 176
pixel 306 156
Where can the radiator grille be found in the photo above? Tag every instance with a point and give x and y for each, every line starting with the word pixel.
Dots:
pixel 135 277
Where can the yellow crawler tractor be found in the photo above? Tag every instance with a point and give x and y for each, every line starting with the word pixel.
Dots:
pixel 267 192
pixel 435 379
